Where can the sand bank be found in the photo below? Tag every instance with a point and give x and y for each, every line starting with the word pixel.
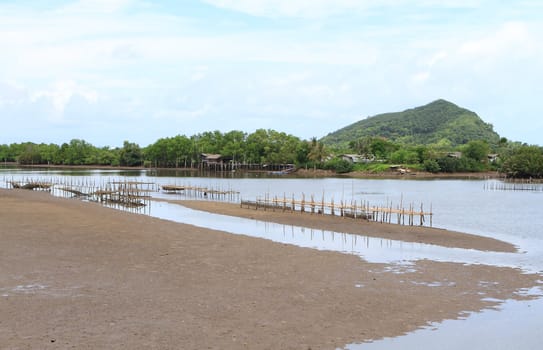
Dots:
pixel 420 234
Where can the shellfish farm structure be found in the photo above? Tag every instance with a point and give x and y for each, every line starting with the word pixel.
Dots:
pixel 358 210
pixel 126 194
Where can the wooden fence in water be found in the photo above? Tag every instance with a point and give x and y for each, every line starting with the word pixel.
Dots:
pixel 134 194
pixel 126 194
pixel 357 210
pixel 200 192
pixel 515 185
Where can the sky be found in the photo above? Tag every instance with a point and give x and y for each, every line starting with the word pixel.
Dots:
pixel 107 71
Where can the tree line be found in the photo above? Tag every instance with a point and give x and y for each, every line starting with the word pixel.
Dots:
pixel 273 147
pixel 259 147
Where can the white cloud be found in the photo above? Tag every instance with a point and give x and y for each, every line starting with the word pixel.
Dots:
pixel 180 115
pixel 436 58
pixel 327 8
pixel 291 8
pixel 95 6
pixel 199 73
pixel 497 52
pixel 512 39
pixel 12 93
pixel 421 77
pixel 61 92
pixel 287 80
pixel 151 64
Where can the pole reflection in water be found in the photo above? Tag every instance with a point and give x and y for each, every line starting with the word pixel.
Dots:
pixel 377 250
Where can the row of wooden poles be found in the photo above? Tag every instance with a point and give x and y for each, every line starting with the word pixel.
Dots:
pixel 123 193
pixel 29 184
pixel 514 185
pixel 134 194
pixel 202 192
pixel 358 210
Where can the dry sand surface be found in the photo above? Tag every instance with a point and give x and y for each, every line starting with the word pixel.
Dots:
pixel 78 275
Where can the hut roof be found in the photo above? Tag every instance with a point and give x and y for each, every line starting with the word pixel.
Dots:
pixel 211 156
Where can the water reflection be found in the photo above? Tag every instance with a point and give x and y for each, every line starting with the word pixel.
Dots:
pixel 376 250
pixel 515 325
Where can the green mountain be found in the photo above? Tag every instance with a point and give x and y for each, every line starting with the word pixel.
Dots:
pixel 436 122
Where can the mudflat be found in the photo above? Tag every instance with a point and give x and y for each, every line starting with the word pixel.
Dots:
pixel 78 275
pixel 419 234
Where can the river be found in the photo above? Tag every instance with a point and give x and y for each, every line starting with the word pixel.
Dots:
pixel 460 205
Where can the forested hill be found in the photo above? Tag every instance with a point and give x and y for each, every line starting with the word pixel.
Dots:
pixel 437 122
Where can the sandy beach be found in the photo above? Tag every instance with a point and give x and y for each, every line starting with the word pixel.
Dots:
pixel 79 275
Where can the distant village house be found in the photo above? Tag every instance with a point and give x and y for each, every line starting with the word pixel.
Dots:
pixel 493 157
pixel 210 159
pixel 456 155
pixel 357 158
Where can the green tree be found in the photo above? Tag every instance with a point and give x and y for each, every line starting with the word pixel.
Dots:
pixel 108 156
pixel 130 154
pixel 209 142
pixel 431 165
pixel 234 145
pixel 159 153
pixel 423 153
pixel 442 145
pixel 477 150
pixel 302 152
pixel 288 147
pixel 362 146
pixel 4 153
pixel 256 146
pixel 339 165
pixel 525 162
pixel 30 154
pixel 77 152
pixel 317 152
pixel 404 156
pixel 448 164
pixel 48 153
pixel 182 148
pixel 382 148
pixel 273 147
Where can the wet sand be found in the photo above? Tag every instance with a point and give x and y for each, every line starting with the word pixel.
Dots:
pixel 418 234
pixel 78 275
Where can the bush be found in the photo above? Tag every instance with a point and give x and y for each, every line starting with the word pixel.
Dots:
pixel 340 166
pixel 525 162
pixel 431 166
pixel 403 156
pixel 371 167
pixel 464 164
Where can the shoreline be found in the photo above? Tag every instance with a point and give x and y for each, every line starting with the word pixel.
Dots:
pixel 414 234
pixel 78 274
pixel 300 172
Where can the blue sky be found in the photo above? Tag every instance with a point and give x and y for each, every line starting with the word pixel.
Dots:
pixel 112 70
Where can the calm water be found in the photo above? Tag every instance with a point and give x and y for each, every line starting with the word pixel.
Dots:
pixel 457 204
pixel 462 205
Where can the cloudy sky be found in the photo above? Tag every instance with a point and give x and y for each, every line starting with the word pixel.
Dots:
pixel 112 70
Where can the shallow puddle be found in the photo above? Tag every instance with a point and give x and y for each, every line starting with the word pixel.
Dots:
pixel 515 325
